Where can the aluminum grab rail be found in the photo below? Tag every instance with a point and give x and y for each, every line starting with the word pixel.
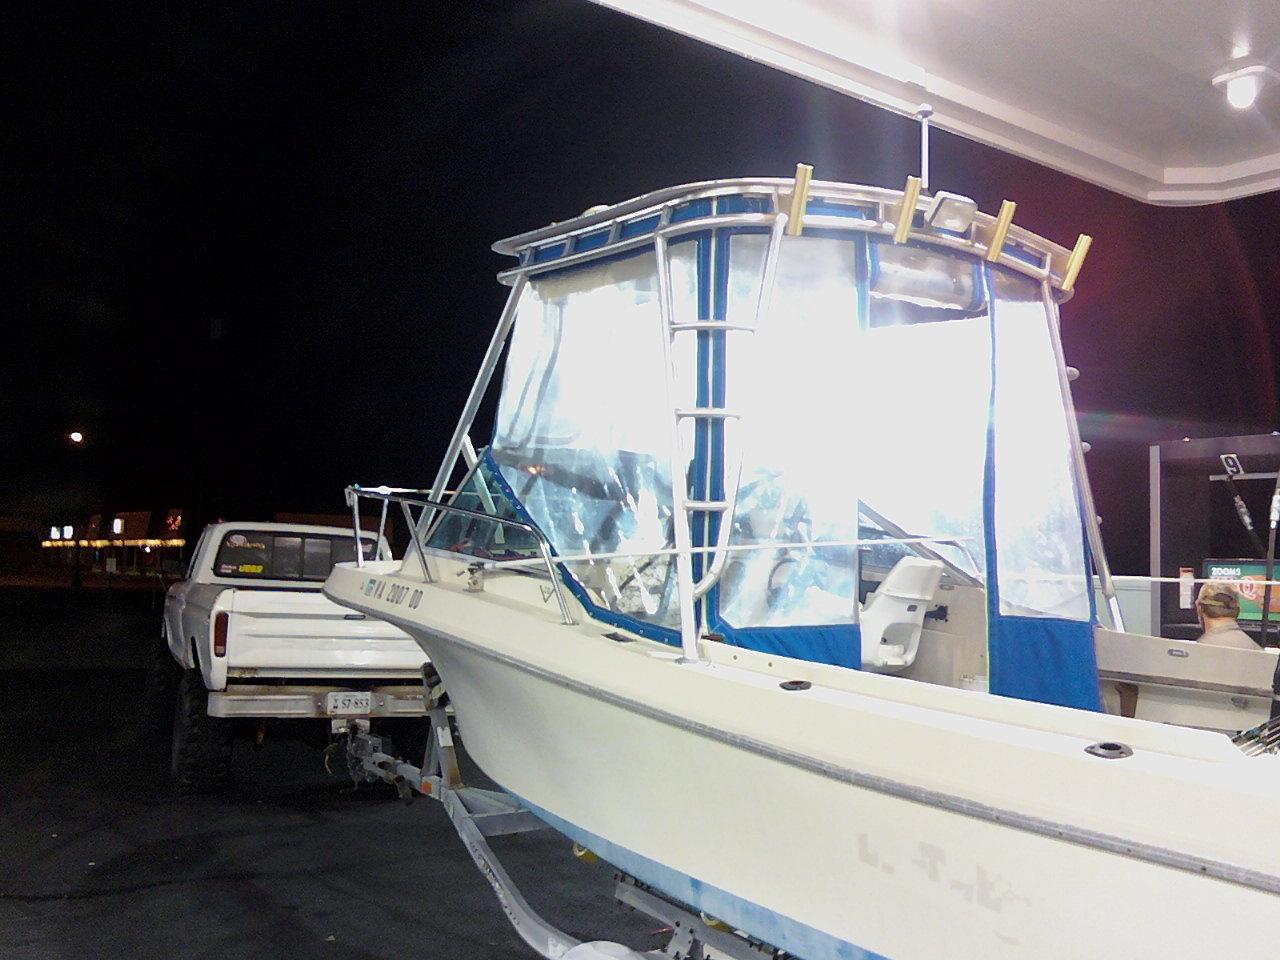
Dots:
pixel 382 518
pixel 355 492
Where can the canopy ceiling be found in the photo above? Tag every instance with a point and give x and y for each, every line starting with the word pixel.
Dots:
pixel 1119 94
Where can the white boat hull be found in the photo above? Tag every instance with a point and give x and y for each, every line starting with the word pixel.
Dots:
pixel 833 822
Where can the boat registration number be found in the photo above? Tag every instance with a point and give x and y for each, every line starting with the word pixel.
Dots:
pixel 348 703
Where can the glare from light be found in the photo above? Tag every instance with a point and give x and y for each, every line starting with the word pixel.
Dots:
pixel 53 533
pixel 1242 91
pixel 1240 49
pixel 117 525
pixel 75 436
pixel 68 532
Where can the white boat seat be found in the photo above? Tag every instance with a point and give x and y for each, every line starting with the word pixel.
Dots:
pixel 893 616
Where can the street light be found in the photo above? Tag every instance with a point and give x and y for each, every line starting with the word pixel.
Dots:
pixel 76 438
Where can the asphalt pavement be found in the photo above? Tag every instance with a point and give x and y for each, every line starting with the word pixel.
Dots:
pixel 100 858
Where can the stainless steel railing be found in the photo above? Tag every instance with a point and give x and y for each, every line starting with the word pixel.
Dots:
pixel 388 495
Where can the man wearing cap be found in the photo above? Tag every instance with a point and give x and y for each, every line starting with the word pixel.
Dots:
pixel 1217 606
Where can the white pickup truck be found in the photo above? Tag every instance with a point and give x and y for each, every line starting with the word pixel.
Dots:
pixel 255 641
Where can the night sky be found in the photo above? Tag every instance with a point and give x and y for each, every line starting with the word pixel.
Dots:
pixel 246 250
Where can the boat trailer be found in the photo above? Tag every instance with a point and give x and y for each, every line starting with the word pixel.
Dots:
pixel 478 814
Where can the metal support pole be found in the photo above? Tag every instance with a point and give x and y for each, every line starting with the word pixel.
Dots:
pixel 469 457
pixel 415 535
pixel 679 492
pixel 478 389
pixel 1091 525
pixel 382 526
pixel 354 499
pixel 1273 520
pixel 472 459
pixel 565 616
pixel 1157 589
pixel 923 114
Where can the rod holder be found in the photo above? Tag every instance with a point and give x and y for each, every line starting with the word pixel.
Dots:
pixel 799 200
pixel 1003 221
pixel 910 197
pixel 1075 262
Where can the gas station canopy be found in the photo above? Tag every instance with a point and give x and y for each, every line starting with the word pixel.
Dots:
pixel 1170 103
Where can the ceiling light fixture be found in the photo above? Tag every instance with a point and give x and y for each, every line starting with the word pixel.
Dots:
pixel 1242 84
pixel 1242 91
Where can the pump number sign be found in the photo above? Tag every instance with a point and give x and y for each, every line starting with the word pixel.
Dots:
pixel 348 703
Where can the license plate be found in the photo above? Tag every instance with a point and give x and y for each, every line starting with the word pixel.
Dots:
pixel 348 703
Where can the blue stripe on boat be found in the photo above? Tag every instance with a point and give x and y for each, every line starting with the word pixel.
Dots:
pixel 773 928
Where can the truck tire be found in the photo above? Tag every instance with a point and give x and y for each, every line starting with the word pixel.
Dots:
pixel 200 758
pixel 161 687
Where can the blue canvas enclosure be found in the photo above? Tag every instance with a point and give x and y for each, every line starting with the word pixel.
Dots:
pixel 809 403
pixel 1039 603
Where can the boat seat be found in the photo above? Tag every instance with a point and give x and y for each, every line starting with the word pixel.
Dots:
pixel 893 615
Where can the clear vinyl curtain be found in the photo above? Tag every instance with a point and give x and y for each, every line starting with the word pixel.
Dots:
pixel 870 383
pixel 583 433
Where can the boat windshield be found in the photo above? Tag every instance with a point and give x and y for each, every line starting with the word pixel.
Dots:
pixel 475 536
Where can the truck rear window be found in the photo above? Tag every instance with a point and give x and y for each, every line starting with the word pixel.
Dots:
pixel 284 556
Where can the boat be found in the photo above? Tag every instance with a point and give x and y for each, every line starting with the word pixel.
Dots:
pixel 774 588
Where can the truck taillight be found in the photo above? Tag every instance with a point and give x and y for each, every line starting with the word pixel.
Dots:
pixel 220 634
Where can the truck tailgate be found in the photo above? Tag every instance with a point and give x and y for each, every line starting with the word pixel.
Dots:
pixel 300 633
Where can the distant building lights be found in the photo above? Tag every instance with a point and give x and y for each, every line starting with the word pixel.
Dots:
pixel 148 545
pixel 68 532
pixel 117 525
pixel 75 436
pixel 54 533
